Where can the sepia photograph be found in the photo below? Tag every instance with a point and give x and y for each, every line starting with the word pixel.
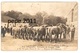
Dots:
pixel 27 26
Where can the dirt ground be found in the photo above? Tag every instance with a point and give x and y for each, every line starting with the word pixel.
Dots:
pixel 9 43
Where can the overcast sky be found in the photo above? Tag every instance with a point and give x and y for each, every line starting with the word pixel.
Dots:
pixel 58 9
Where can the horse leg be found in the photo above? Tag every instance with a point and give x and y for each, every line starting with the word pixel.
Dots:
pixel 15 36
pixel 45 38
pixel 60 35
pixel 56 39
pixel 50 37
pixel 27 36
pixel 23 35
pixel 38 37
pixel 57 35
pixel 34 36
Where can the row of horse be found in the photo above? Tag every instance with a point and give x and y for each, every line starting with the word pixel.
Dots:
pixel 44 33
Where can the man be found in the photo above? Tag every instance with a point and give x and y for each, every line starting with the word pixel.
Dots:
pixel 11 30
pixel 4 31
pixel 72 33
pixel 23 32
pixel 68 31
pixel 19 32
pixel 43 32
pixel 31 33
pixel 47 34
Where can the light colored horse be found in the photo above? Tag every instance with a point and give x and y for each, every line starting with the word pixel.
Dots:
pixel 15 31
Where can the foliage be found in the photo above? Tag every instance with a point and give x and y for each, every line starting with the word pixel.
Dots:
pixel 41 18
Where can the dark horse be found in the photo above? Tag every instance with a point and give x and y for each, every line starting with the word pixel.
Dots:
pixel 58 31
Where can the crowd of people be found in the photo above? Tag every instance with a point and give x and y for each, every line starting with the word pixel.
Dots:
pixel 38 33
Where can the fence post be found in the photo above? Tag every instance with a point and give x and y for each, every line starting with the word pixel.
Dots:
pixel 72 15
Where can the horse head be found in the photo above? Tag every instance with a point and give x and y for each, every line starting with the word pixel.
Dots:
pixel 61 27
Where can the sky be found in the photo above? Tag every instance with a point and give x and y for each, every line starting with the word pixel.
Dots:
pixel 52 8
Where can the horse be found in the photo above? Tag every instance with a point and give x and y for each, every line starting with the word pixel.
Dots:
pixel 16 32
pixel 58 30
pixel 37 32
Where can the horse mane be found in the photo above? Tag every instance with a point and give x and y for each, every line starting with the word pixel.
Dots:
pixel 64 26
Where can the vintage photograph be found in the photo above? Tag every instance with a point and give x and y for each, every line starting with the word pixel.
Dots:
pixel 37 26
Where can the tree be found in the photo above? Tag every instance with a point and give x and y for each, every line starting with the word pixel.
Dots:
pixel 13 14
pixel 39 18
pixel 54 20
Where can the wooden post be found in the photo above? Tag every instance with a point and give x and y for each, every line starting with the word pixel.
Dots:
pixel 72 15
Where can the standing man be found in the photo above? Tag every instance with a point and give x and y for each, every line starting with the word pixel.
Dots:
pixel 4 31
pixel 23 32
pixel 68 31
pixel 72 33
pixel 10 29
pixel 43 32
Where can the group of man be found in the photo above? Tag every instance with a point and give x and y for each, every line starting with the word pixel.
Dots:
pixel 30 33
pixel 70 32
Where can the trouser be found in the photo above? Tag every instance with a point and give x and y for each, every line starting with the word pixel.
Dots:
pixel 64 35
pixel 3 34
pixel 23 36
pixel 11 32
pixel 72 35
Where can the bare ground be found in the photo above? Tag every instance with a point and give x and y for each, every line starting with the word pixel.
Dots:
pixel 9 43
